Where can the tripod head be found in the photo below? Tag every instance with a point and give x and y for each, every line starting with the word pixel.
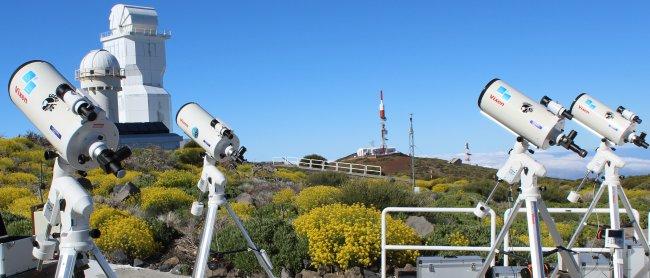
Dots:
pixel 79 131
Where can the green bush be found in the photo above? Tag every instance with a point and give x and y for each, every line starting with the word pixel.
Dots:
pixel 163 234
pixel 379 194
pixel 277 237
pixel 149 159
pixel 20 228
pixel 190 156
pixel 327 178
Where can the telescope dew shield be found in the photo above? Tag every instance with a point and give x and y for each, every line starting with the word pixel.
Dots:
pixel 602 120
pixel 212 134
pixel 521 115
pixel 33 89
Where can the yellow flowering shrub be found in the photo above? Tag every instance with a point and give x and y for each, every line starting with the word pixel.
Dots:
pixel 243 210
pixel 176 178
pixel 349 235
pixel 565 229
pixel 104 183
pixel 129 234
pixel 30 155
pixel 294 176
pixel 440 188
pixel 9 194
pixel 457 238
pixel 23 206
pixel 19 178
pixel 423 184
pixel 103 214
pixel 316 196
pixel 158 199
pixel 9 146
pixel 284 196
pixel 5 163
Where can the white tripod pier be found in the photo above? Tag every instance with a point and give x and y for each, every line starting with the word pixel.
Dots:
pixel 606 160
pixel 520 166
pixel 214 182
pixel 69 206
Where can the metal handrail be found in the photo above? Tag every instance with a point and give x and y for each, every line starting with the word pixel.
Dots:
pixel 508 248
pixel 316 164
pixel 119 72
pixel 135 30
pixel 385 247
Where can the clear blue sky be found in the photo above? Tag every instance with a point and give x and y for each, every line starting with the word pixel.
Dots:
pixel 297 77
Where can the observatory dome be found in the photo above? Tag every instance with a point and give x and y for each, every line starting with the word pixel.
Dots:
pixel 99 60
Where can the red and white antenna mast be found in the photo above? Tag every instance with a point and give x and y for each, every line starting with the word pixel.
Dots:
pixel 382 117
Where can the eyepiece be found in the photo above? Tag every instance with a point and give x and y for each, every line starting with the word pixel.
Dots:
pixel 640 140
pixel 111 162
pixel 567 141
pixel 545 100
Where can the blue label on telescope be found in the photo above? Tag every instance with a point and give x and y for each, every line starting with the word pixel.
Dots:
pixel 30 85
pixel 590 104
pixel 195 132
pixel 55 132
pixel 504 93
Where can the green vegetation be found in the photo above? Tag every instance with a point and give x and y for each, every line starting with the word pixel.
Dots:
pixel 312 219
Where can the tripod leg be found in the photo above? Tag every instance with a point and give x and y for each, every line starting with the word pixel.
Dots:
pixel 567 259
pixel 101 260
pixel 261 256
pixel 534 238
pixel 583 221
pixel 635 223
pixel 206 240
pixel 65 266
pixel 501 237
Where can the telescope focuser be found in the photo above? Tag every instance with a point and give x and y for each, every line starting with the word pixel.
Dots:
pixel 556 108
pixel 110 161
pixel 567 141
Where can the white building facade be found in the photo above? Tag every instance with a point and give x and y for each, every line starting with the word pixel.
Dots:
pixel 134 50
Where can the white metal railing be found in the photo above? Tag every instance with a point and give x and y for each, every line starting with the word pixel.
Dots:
pixel 118 72
pixel 315 164
pixel 385 247
pixel 508 248
pixel 136 30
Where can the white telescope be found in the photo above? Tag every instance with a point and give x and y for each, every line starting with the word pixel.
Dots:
pixel 220 144
pixel 618 126
pixel 78 130
pixel 615 128
pixel 83 139
pixel 541 125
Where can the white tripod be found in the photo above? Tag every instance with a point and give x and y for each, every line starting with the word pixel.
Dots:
pixel 69 206
pixel 520 166
pixel 214 182
pixel 606 160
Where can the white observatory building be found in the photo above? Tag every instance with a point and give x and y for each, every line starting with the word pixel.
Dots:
pixel 125 78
